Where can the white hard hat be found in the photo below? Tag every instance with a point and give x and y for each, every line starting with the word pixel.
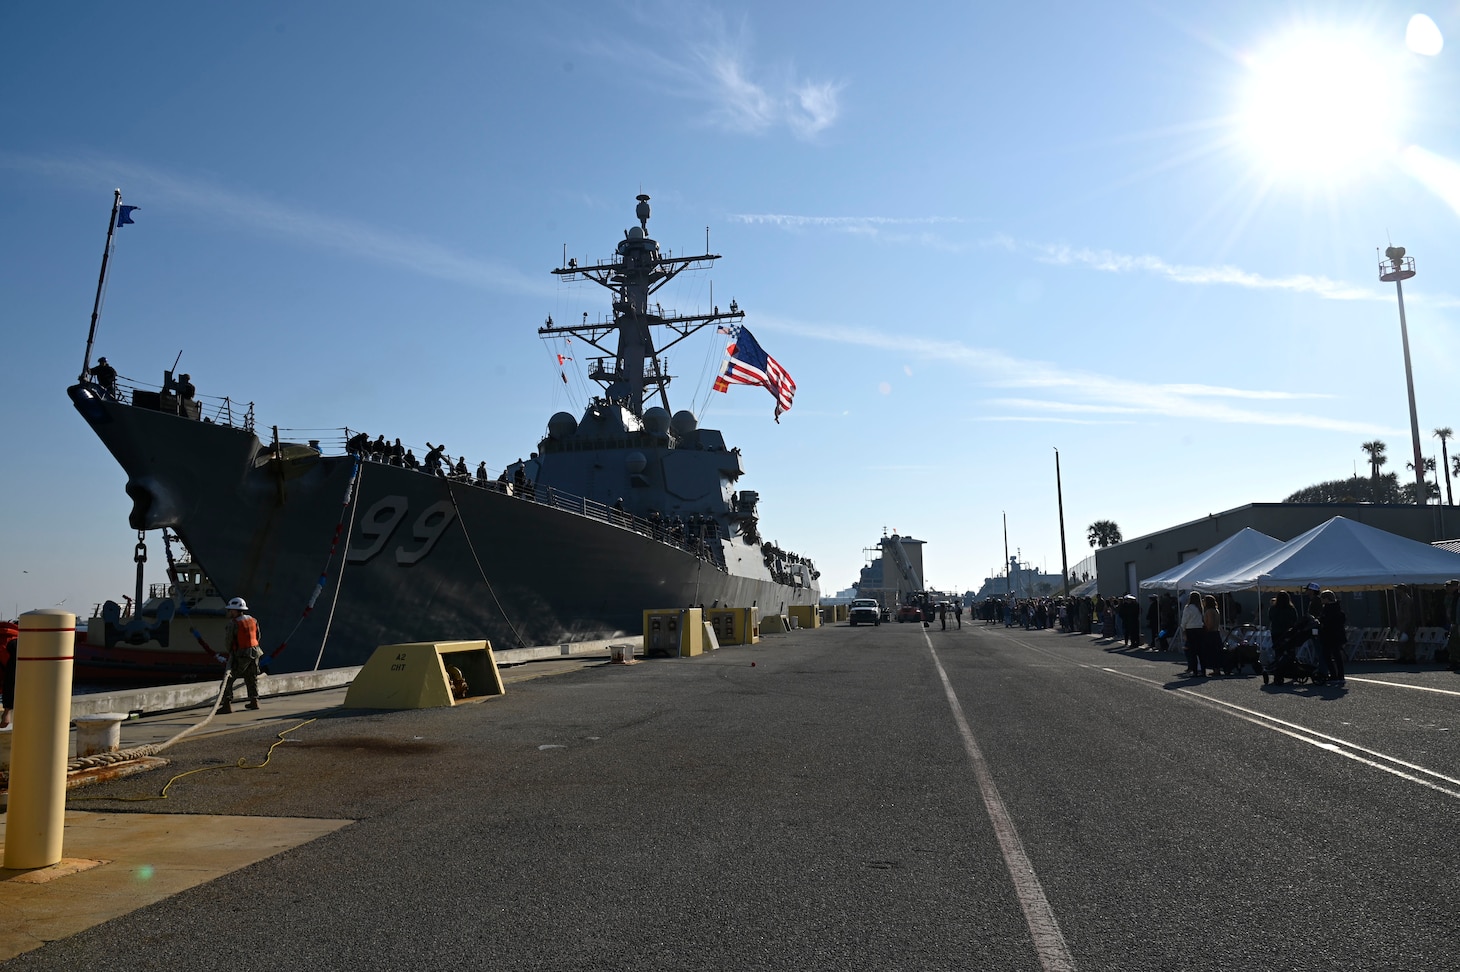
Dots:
pixel 238 604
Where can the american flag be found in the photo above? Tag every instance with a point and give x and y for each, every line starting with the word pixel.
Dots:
pixel 748 364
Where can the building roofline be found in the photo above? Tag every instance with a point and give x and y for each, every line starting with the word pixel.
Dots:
pixel 1245 507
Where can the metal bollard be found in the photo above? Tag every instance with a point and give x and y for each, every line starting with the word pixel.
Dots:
pixel 35 821
pixel 99 733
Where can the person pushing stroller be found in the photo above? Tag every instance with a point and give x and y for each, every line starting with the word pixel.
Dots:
pixel 1288 635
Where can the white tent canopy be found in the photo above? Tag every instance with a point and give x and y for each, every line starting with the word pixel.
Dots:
pixel 1236 551
pixel 1084 589
pixel 1341 555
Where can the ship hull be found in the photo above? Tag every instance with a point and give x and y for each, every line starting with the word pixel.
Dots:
pixel 136 664
pixel 419 558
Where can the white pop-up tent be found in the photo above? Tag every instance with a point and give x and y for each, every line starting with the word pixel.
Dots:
pixel 1238 550
pixel 1341 555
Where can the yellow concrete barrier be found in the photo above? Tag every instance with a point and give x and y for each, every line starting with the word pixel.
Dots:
pixel 734 626
pixel 36 816
pixel 424 675
pixel 674 631
pixel 806 615
pixel 775 624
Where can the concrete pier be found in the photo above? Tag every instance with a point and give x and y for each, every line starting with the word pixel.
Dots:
pixel 831 798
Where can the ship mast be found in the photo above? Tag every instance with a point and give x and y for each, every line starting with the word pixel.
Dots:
pixel 638 269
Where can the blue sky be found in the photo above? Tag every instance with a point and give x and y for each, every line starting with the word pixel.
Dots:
pixel 1143 234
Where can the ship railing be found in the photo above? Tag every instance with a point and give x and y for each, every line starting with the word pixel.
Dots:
pixel 654 529
pixel 329 442
pixel 588 262
pixel 204 408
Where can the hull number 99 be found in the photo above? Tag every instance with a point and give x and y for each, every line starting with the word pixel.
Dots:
pixel 379 523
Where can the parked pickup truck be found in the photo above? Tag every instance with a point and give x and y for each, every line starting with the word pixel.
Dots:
pixel 864 610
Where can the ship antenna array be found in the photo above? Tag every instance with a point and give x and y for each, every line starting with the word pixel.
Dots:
pixel 639 271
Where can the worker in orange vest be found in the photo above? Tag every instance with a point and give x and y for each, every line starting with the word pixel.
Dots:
pixel 241 640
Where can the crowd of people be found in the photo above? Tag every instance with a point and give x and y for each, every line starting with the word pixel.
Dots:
pixel 1202 622
pixel 1121 618
pixel 779 562
pixel 435 462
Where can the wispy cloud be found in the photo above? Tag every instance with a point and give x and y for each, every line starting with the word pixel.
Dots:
pixel 1048 419
pixel 712 63
pixel 1073 395
pixel 852 223
pixel 157 189
pixel 1109 261
pixel 886 229
pixel 744 103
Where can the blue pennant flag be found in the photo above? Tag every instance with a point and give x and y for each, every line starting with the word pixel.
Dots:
pixel 124 215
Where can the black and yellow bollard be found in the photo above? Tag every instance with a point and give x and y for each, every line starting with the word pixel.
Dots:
pixel 35 821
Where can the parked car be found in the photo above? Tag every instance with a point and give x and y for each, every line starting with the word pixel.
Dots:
pixel 864 610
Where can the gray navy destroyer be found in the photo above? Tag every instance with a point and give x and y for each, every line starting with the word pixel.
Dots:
pixel 629 507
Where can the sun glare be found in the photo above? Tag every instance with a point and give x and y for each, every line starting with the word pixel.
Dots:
pixel 1321 106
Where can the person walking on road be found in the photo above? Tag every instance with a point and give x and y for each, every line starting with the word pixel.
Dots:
pixel 1407 621
pixel 1332 634
pixel 1282 617
pixel 1193 632
pixel 1452 609
pixel 1211 647
pixel 241 642
pixel 1130 620
pixel 1153 623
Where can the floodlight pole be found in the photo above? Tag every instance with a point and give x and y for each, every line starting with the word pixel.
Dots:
pixel 1400 268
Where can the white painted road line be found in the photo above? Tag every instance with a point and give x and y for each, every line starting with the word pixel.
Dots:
pixel 1360 754
pixel 1341 747
pixel 1403 685
pixel 1049 941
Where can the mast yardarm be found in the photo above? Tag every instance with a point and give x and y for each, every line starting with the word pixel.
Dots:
pixel 637 270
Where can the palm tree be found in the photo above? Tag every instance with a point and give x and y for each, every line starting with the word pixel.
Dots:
pixel 1431 488
pixel 1103 533
pixel 1406 493
pixel 1444 436
pixel 1375 449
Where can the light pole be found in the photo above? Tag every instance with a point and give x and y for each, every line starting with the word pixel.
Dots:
pixel 1064 558
pixel 1397 267
pixel 1008 589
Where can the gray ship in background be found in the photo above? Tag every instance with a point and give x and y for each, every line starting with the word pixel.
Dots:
pixel 629 507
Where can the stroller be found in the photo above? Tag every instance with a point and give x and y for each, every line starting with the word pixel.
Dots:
pixel 1243 647
pixel 1295 657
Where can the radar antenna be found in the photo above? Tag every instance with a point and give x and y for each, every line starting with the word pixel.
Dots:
pixel 636 272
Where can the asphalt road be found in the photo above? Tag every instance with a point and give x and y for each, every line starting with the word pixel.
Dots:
pixel 868 798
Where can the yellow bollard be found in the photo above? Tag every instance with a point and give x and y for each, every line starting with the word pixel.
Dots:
pixel 35 822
